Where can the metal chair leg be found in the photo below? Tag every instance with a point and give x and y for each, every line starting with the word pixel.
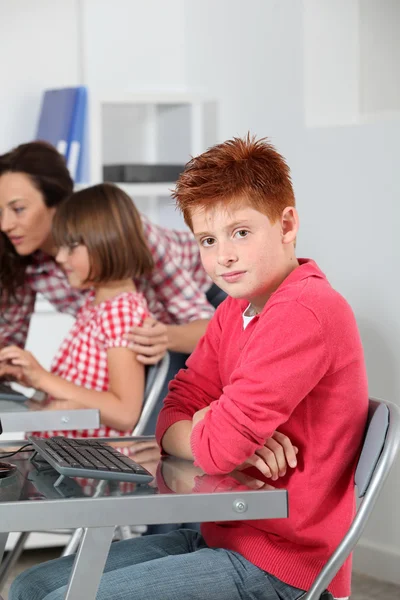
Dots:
pixel 74 542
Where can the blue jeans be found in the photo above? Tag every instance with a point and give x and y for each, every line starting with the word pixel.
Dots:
pixel 174 566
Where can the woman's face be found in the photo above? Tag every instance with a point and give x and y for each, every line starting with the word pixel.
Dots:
pixel 24 216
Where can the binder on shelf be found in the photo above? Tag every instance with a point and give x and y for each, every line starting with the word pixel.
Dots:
pixel 62 123
pixel 56 116
pixel 77 135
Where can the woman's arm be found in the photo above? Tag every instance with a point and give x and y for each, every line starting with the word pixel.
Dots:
pixel 15 317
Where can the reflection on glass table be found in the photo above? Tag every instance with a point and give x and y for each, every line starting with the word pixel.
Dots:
pixel 171 476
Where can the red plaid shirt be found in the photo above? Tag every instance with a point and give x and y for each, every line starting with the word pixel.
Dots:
pixel 82 356
pixel 175 290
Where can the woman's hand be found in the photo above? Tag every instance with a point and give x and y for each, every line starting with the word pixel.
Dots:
pixel 22 365
pixel 149 341
pixel 273 459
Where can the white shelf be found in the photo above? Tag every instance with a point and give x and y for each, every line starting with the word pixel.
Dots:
pixel 149 128
pixel 141 189
pixel 151 98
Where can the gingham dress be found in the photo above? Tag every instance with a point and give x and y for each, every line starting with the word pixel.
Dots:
pixel 82 356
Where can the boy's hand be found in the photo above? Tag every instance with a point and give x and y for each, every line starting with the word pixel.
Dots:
pixel 30 373
pixel 149 341
pixel 274 457
pixel 199 415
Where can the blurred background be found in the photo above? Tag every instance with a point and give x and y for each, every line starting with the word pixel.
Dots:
pixel 165 80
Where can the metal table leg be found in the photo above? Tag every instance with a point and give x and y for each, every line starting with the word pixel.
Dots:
pixel 12 556
pixel 89 563
pixel 3 541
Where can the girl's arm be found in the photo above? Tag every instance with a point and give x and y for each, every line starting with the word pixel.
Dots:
pixel 120 407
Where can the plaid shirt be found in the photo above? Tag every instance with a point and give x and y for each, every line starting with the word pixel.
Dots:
pixel 174 291
pixel 82 356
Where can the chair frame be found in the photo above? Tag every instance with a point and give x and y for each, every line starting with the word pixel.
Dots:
pixel 368 487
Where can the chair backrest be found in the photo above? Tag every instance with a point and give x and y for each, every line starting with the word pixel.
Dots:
pixel 380 446
pixel 155 377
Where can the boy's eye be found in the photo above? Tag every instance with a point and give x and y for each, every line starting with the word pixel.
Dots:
pixel 19 209
pixel 207 242
pixel 241 233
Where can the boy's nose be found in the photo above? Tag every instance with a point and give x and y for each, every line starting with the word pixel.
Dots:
pixel 226 256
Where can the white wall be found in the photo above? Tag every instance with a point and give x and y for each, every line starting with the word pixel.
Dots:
pixel 38 49
pixel 379 55
pixel 331 62
pixel 256 59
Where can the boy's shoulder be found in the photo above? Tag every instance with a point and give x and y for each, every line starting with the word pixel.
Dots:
pixel 308 286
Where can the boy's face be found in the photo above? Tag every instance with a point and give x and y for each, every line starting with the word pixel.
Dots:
pixel 243 252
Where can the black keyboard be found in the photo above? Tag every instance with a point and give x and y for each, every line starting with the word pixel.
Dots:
pixel 88 458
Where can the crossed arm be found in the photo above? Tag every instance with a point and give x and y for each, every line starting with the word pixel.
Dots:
pixel 272 459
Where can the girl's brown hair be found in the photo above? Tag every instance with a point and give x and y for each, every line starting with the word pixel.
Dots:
pixel 239 169
pixel 106 221
pixel 49 174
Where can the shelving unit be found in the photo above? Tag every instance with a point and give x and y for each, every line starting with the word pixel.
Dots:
pixel 148 128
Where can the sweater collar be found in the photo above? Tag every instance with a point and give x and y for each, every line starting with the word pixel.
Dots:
pixel 307 268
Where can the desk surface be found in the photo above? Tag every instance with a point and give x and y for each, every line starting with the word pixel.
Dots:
pixel 16 416
pixel 179 493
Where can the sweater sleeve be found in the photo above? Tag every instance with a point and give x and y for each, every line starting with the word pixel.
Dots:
pixel 284 360
pixel 197 386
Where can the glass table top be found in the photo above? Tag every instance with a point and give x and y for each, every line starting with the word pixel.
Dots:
pixel 33 482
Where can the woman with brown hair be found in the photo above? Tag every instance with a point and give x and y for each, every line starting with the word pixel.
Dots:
pixel 101 248
pixel 34 180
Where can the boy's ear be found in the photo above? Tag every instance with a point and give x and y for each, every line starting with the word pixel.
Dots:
pixel 289 224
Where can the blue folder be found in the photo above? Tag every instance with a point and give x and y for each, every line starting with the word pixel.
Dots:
pixel 62 122
pixel 56 116
pixel 77 136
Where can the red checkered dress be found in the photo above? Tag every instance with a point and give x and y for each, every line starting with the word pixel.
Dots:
pixel 82 356
pixel 175 290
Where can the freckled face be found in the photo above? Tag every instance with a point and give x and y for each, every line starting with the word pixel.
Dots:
pixel 241 250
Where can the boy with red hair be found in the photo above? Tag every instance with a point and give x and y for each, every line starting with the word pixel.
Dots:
pixel 282 352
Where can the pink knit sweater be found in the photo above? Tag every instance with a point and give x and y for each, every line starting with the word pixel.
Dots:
pixel 297 367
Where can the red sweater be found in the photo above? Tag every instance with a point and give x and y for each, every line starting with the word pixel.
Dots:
pixel 297 367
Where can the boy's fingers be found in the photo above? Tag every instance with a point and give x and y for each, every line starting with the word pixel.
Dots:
pixel 258 462
pixel 272 459
pixel 288 448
